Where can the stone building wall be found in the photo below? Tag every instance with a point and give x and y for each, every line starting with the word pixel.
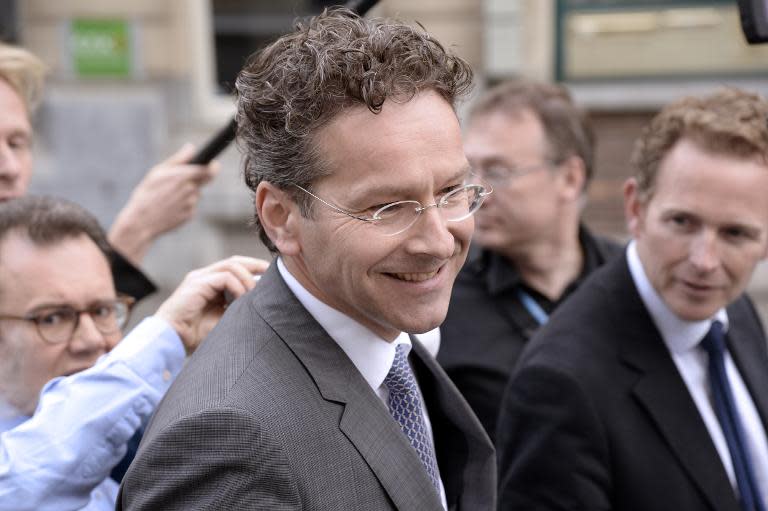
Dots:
pixel 97 137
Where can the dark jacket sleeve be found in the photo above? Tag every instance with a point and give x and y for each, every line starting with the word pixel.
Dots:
pixel 553 453
pixel 128 279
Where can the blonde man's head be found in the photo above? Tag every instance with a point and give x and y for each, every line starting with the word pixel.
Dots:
pixel 24 73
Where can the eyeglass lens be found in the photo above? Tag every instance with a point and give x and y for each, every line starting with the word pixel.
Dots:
pixel 59 324
pixel 454 206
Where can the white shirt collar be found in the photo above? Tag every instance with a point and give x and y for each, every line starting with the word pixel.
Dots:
pixel 679 335
pixel 371 354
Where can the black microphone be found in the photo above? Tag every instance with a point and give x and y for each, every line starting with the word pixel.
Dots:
pixel 216 144
pixel 360 6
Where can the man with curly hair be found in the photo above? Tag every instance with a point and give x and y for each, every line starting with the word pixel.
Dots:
pixel 313 393
pixel 648 389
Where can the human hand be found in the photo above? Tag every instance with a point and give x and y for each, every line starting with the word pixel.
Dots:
pixel 166 198
pixel 197 304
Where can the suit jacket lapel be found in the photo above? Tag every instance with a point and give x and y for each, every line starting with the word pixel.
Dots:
pixel 661 391
pixel 387 451
pixel 746 343
pixel 464 452
pixel 365 419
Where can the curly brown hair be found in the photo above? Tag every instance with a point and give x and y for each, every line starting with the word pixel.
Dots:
pixel 730 122
pixel 336 60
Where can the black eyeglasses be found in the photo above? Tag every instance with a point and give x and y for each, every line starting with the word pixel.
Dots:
pixel 57 324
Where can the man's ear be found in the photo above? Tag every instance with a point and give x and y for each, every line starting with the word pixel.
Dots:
pixel 632 207
pixel 574 176
pixel 279 216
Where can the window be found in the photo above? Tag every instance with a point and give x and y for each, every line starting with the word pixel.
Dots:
pixel 241 27
pixel 625 39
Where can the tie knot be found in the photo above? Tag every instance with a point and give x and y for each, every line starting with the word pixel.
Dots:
pixel 400 371
pixel 714 341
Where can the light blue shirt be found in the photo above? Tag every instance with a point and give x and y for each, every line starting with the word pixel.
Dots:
pixel 60 458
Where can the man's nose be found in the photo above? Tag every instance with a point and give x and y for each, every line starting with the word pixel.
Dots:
pixel 10 164
pixel 704 253
pixel 431 234
pixel 86 337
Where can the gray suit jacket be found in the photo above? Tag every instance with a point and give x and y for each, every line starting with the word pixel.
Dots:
pixel 270 413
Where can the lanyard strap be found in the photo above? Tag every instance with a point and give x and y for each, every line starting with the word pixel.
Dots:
pixel 532 306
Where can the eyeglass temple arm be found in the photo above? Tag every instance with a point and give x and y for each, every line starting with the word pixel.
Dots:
pixel 335 208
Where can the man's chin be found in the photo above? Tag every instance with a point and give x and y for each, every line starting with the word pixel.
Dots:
pixel 21 404
pixel 76 370
pixel 8 195
pixel 695 311
pixel 426 323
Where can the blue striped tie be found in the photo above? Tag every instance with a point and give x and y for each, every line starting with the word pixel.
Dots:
pixel 728 415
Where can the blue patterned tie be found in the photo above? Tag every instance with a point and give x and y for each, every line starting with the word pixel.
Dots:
pixel 405 407
pixel 728 415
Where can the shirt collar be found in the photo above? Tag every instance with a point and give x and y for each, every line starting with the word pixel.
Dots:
pixel 502 274
pixel 679 335
pixel 371 354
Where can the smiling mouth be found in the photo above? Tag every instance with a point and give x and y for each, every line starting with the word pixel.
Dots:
pixel 414 277
pixel 701 288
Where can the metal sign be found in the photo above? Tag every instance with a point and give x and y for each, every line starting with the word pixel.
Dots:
pixel 101 48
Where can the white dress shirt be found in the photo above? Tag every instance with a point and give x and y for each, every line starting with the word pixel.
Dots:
pixel 682 339
pixel 370 354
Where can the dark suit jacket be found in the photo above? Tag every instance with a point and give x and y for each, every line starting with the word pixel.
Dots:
pixel 271 414
pixel 597 417
pixel 487 325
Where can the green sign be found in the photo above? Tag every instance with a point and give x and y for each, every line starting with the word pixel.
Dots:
pixel 101 48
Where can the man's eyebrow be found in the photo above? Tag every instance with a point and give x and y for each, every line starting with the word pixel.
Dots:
pixel 677 211
pixel 395 191
pixel 49 306
pixel 464 172
pixel 749 229
pixel 492 160
pixel 379 190
pixel 66 305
